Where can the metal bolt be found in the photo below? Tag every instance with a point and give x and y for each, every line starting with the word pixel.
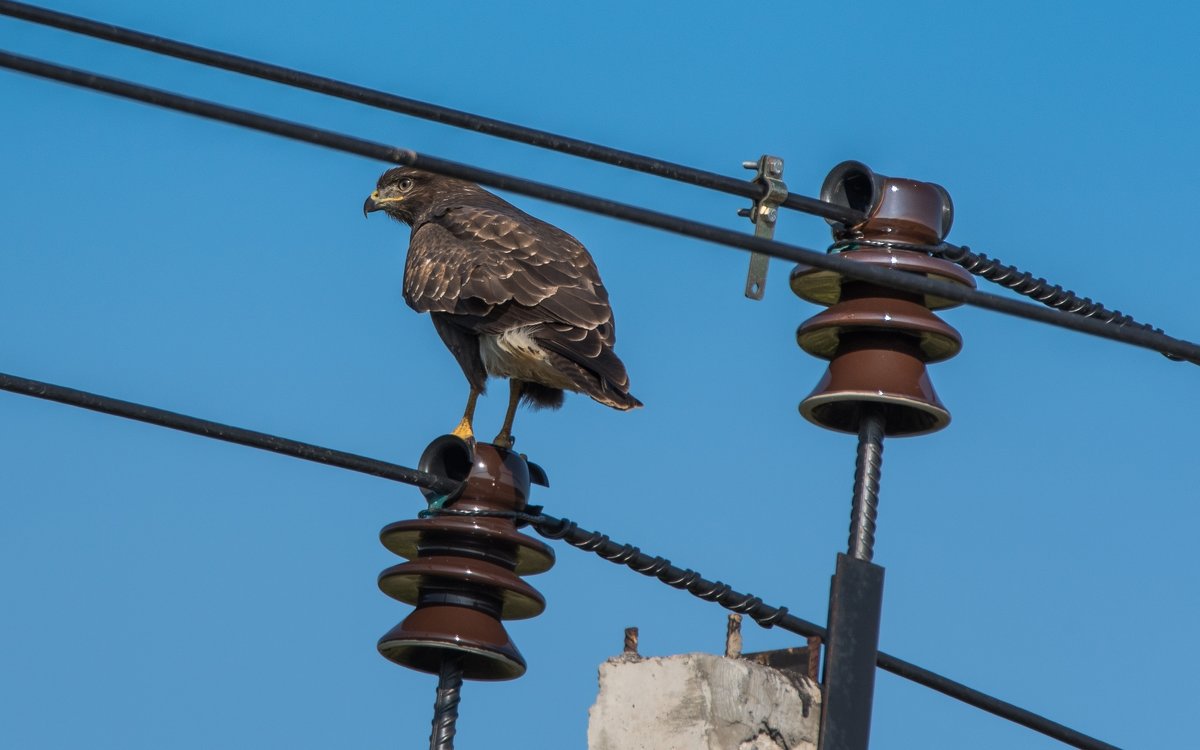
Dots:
pixel 775 166
pixel 814 657
pixel 749 165
pixel 631 641
pixel 770 215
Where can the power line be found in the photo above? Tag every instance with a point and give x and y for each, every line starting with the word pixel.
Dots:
pixel 768 616
pixel 713 592
pixel 227 433
pixel 415 108
pixel 550 527
pixel 1147 339
pixel 993 270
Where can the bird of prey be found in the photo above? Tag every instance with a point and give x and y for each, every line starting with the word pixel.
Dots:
pixel 510 295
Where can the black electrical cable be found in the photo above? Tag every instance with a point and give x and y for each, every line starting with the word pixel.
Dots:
pixel 616 553
pixel 415 108
pixel 549 526
pixel 218 431
pixel 883 276
pixel 1011 277
pixel 768 617
pixel 991 269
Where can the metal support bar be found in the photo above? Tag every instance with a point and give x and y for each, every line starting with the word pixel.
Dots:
pixel 855 605
pixel 445 708
pixel 764 214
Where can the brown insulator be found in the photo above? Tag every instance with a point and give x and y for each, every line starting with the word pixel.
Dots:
pixel 879 340
pixel 463 571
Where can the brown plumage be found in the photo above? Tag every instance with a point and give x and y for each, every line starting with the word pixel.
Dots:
pixel 510 295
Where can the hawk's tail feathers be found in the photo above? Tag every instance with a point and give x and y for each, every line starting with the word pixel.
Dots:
pixel 539 396
pixel 622 400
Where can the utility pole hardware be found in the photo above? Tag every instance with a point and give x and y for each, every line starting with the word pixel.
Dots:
pixel 463 574
pixel 878 341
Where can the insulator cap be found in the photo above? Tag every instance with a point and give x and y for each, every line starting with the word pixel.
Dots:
pixel 422 640
pixel 897 209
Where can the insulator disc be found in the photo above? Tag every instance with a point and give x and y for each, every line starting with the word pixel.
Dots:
pixel 825 287
pixel 425 637
pixel 874 369
pixel 518 599
pixel 532 555
pixel 822 334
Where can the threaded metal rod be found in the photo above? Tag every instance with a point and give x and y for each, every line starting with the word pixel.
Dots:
pixel 445 708
pixel 866 483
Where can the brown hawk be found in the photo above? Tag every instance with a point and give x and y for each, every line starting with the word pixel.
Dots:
pixel 510 295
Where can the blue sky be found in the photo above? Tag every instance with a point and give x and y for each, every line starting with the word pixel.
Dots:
pixel 162 590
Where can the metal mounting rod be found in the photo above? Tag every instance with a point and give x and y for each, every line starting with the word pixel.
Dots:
pixel 445 708
pixel 855 604
pixel 866 483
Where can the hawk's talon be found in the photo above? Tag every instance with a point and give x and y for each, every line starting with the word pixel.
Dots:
pixel 464 431
pixel 504 441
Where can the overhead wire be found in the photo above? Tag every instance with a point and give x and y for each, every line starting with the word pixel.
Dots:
pixel 330 139
pixel 413 107
pixel 227 433
pixel 989 268
pixel 550 527
pixel 767 616
pixel 1021 282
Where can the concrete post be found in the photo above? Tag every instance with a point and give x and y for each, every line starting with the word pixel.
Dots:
pixel 702 702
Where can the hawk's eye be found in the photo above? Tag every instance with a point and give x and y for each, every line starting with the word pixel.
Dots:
pixel 405 185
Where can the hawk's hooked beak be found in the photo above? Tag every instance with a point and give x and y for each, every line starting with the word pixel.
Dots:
pixel 375 202
pixel 371 203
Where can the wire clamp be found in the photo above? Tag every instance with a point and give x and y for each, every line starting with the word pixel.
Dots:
pixel 764 215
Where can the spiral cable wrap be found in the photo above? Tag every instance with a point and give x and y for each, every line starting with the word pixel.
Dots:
pixel 661 568
pixel 1038 289
pixel 1021 282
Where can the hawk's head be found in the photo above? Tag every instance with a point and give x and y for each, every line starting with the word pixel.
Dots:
pixel 404 193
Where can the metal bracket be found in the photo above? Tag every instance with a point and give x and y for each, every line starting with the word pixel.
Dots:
pixel 764 214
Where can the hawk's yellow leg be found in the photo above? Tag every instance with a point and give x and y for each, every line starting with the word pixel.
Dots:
pixel 464 429
pixel 505 438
